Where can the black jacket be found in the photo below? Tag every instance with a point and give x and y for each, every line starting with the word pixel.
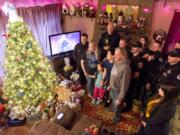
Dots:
pixel 78 52
pixel 159 121
pixel 113 41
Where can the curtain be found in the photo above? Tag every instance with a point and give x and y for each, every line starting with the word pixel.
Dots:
pixel 43 21
pixel 3 22
pixel 174 32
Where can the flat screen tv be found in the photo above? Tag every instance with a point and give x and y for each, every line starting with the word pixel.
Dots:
pixel 64 42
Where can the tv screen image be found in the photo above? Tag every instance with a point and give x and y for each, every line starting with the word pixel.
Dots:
pixel 65 42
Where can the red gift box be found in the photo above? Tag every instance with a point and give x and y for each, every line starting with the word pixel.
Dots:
pixel 2 108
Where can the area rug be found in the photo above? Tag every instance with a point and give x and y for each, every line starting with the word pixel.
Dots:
pixel 129 123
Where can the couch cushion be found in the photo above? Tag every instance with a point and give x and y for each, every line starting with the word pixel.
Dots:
pixel 45 127
pixel 67 119
pixel 84 122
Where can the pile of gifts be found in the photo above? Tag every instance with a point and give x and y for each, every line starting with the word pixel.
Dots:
pixel 68 93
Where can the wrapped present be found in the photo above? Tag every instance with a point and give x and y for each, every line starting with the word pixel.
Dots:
pixel 58 105
pixel 80 93
pixel 65 83
pixel 91 130
pixel 2 108
pixel 16 122
pixel 63 94
pixel 3 117
pixel 76 87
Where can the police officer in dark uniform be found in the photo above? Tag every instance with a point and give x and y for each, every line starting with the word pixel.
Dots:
pixel 171 71
pixel 137 65
pixel 109 40
pixel 79 51
pixel 153 63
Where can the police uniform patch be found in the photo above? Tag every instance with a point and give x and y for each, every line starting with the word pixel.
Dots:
pixel 164 74
pixel 140 65
pixel 169 71
pixel 178 77
pixel 161 59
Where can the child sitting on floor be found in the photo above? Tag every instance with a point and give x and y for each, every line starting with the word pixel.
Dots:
pixel 98 93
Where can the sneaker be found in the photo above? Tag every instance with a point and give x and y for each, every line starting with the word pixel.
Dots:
pixel 89 95
pixel 105 132
pixel 111 109
pixel 93 101
pixel 98 101
pixel 112 133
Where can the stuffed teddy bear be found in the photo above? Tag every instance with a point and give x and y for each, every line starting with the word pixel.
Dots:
pixel 78 11
pixel 67 68
pixel 72 10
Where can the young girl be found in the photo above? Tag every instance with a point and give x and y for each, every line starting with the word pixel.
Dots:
pixel 98 93
pixel 108 64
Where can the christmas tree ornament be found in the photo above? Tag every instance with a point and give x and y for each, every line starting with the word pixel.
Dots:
pixel 29 44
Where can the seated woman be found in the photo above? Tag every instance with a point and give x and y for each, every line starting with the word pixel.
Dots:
pixel 160 110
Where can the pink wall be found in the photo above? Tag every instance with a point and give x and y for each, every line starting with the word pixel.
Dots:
pixel 79 23
pixel 162 16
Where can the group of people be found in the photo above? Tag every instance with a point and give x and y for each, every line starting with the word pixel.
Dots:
pixel 125 71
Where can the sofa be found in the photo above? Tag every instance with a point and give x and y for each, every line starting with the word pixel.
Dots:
pixel 75 126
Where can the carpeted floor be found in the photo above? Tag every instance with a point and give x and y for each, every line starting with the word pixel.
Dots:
pixel 130 121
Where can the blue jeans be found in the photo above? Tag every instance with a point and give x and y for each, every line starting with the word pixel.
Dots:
pixel 118 109
pixel 90 85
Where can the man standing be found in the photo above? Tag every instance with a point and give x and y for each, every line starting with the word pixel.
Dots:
pixel 109 40
pixel 171 73
pixel 79 51
pixel 123 43
pixel 137 65
pixel 119 81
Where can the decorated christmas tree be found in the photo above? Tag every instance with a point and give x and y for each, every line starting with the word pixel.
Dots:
pixel 29 79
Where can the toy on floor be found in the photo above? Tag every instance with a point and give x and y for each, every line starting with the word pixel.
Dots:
pixel 3 115
pixel 3 111
pixel 91 130
pixel 68 69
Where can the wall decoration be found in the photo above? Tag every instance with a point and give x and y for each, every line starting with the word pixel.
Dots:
pixel 159 35
pixel 85 10
pixel 123 16
pixel 65 9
